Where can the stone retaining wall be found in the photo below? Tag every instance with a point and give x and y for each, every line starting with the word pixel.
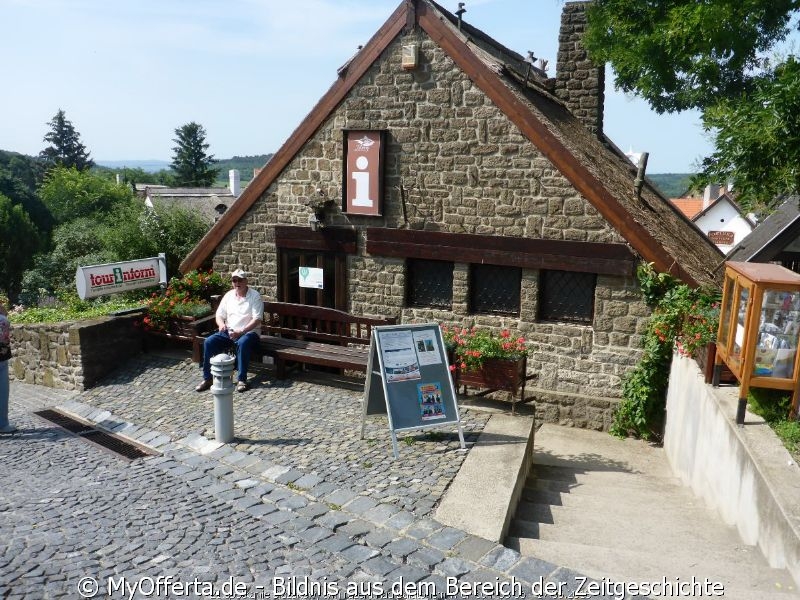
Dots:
pixel 72 355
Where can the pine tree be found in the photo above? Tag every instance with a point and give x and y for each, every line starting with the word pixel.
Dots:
pixel 65 147
pixel 192 166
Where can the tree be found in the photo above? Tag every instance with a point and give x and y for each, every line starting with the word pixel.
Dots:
pixel 19 240
pixel 192 166
pixel 65 148
pixel 70 194
pixel 711 55
pixel 757 139
pixel 20 176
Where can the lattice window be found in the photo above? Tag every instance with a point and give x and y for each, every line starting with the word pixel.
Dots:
pixel 567 296
pixel 495 290
pixel 429 283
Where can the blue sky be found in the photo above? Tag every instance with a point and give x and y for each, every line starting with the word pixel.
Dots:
pixel 128 72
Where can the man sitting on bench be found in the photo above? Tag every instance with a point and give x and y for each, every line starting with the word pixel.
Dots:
pixel 238 325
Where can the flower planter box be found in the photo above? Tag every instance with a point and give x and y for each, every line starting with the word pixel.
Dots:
pixel 180 331
pixel 497 374
pixel 704 357
pixel 183 327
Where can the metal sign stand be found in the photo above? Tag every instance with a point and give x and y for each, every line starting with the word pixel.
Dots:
pixel 402 398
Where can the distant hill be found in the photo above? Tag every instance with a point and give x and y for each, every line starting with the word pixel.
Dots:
pixel 672 185
pixel 148 166
pixel 245 165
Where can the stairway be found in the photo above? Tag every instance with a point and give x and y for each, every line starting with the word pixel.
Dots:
pixel 612 508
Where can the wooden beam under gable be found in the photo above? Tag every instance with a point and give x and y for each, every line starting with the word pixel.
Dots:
pixel 578 175
pixel 526 253
pixel 305 131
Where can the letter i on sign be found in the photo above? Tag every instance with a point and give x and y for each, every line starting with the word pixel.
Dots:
pixel 361 178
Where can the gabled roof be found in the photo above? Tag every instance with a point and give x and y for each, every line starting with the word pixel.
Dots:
pixel 208 203
pixel 168 192
pixel 596 168
pixel 771 236
pixel 727 198
pixel 688 206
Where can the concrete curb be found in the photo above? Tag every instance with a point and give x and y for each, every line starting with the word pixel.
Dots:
pixel 483 497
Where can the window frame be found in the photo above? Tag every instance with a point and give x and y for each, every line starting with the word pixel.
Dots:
pixel 472 307
pixel 410 277
pixel 562 317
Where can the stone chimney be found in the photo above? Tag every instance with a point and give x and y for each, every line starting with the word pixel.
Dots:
pixel 710 194
pixel 234 182
pixel 580 84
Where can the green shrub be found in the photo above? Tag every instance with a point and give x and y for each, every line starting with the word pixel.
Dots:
pixel 71 308
pixel 684 318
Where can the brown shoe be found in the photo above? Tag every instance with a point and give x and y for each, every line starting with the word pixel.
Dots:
pixel 242 386
pixel 206 385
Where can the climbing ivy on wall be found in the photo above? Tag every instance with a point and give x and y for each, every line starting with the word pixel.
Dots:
pixel 683 319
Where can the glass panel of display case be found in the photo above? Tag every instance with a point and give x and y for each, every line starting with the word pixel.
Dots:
pixel 777 335
pixel 725 321
pixel 741 313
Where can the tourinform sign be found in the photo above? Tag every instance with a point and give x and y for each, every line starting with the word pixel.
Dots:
pixel 99 280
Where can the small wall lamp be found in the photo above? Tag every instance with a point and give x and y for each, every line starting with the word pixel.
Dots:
pixel 319 207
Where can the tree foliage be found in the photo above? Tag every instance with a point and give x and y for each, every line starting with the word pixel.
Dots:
pixel 757 138
pixel 19 240
pixel 20 176
pixel 192 165
pixel 70 194
pixel 65 147
pixel 712 56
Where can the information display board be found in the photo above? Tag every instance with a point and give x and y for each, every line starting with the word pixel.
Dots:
pixel 408 379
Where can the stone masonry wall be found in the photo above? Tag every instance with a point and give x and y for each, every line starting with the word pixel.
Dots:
pixel 72 355
pixel 463 168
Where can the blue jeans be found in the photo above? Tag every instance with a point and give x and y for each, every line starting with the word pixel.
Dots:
pixel 220 342
pixel 4 393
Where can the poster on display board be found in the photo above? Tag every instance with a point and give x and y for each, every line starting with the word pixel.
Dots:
pixel 408 379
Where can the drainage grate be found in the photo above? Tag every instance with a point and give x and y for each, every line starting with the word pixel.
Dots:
pixel 64 421
pixel 107 441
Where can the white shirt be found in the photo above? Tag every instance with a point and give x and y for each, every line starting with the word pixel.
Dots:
pixel 238 312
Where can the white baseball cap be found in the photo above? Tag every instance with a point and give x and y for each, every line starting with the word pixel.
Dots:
pixel 239 273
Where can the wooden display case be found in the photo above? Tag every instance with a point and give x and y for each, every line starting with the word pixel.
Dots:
pixel 758 329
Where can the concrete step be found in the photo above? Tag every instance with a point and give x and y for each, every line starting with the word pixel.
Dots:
pixel 589 507
pixel 741 570
pixel 605 486
pixel 592 497
pixel 612 508
pixel 639 535
pixel 597 451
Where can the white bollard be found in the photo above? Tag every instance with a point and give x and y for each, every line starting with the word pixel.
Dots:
pixel 222 389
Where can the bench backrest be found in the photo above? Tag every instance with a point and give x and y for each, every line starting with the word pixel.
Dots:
pixel 319 324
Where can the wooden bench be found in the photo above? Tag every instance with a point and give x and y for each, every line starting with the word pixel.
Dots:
pixel 313 335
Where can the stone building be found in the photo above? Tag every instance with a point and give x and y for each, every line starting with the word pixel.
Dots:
pixel 445 178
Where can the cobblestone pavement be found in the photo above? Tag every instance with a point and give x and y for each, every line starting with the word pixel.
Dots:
pixel 314 429
pixel 203 518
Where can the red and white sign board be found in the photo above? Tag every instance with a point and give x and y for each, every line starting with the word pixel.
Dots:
pixel 363 176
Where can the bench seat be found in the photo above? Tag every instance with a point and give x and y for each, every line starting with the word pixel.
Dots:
pixel 284 350
pixel 312 335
